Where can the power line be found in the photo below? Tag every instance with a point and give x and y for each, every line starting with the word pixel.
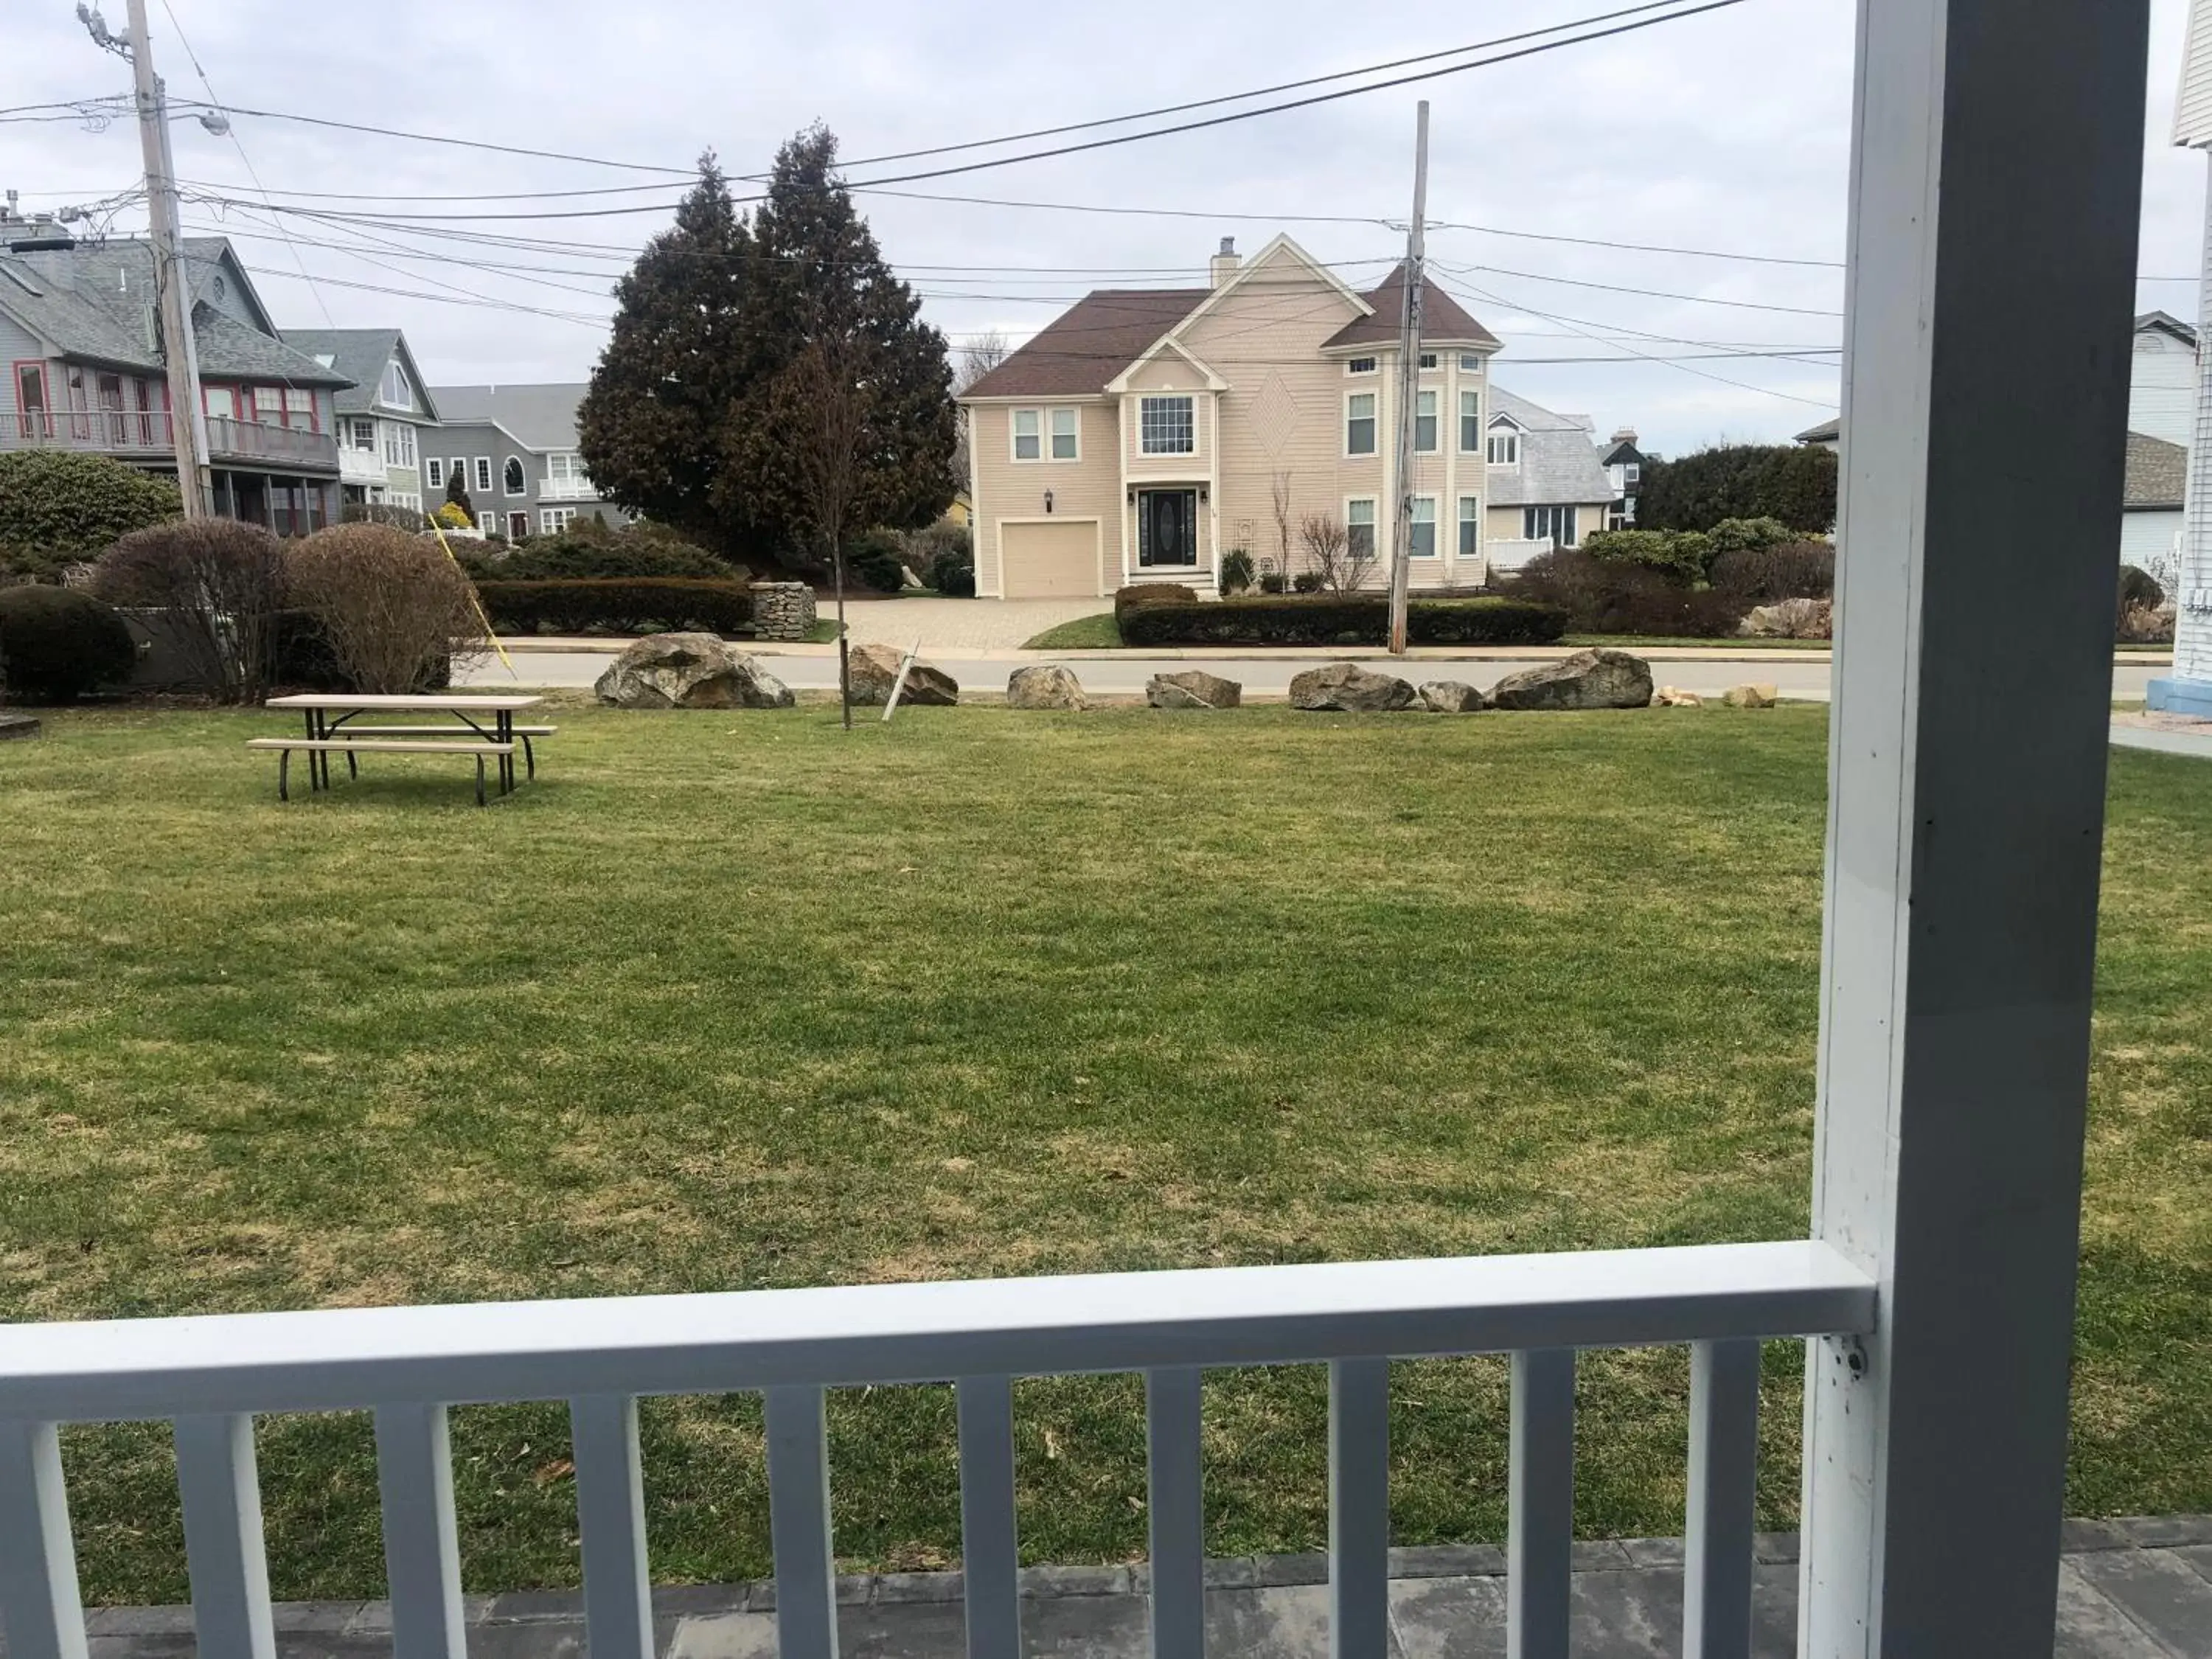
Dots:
pixel 1643 293
pixel 464 144
pixel 1644 247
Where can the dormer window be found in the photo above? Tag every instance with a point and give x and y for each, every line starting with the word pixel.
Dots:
pixel 1359 365
pixel 395 392
pixel 1504 443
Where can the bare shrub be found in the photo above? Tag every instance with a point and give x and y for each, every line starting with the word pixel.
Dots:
pixel 1340 562
pixel 221 583
pixel 2141 625
pixel 1780 570
pixel 396 612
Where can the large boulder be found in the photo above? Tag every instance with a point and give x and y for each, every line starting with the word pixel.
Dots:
pixel 875 670
pixel 1589 679
pixel 1043 685
pixel 1192 689
pixel 1791 619
pixel 689 671
pixel 1345 688
pixel 1763 694
pixel 1452 698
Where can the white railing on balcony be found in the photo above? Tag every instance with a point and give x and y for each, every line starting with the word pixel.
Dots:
pixel 566 489
pixel 210 1375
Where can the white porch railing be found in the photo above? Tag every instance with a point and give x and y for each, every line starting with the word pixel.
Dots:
pixel 210 1375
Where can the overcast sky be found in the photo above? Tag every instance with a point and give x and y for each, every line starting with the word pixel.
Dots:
pixel 1726 131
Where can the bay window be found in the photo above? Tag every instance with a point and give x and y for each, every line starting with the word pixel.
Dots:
pixel 1425 424
pixel 1423 545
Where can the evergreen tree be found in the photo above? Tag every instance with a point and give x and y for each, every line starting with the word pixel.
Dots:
pixel 1793 483
pixel 688 418
pixel 457 494
pixel 650 429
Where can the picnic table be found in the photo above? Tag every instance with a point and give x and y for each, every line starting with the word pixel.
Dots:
pixel 330 727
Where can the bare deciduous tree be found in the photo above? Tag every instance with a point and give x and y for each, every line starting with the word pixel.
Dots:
pixel 1280 485
pixel 978 358
pixel 1342 560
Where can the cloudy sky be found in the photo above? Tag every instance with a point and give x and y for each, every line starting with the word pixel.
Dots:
pixel 1725 132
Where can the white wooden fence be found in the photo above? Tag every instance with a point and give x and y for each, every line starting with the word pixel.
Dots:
pixel 210 1375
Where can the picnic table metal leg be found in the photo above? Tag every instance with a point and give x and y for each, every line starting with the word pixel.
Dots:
pixel 480 793
pixel 529 760
pixel 314 771
pixel 284 773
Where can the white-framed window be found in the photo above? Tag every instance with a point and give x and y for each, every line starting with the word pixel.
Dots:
pixel 1425 424
pixel 363 435
pixel 1166 425
pixel 407 498
pixel 1632 472
pixel 483 474
pixel 1555 524
pixel 516 480
pixel 564 469
pixel 488 524
pixel 1504 444
pixel 399 444
pixel 1470 526
pixel 552 520
pixel 395 392
pixel 1359 527
pixel 1424 543
pixel 1359 423
pixel 1066 437
pixel 1029 434
pixel 457 470
pixel 1470 362
pixel 1470 423
pixel 221 402
pixel 434 472
pixel 1428 360
pixel 1360 365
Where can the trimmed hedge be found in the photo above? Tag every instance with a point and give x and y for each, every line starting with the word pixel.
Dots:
pixel 595 554
pixel 57 644
pixel 644 604
pixel 1129 599
pixel 1357 620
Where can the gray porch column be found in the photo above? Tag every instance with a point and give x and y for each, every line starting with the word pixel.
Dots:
pixel 1998 155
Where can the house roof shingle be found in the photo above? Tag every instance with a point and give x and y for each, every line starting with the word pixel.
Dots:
pixel 1558 459
pixel 95 301
pixel 2158 474
pixel 535 417
pixel 1106 331
pixel 360 354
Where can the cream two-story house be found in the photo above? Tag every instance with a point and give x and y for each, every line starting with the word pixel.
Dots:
pixel 1146 432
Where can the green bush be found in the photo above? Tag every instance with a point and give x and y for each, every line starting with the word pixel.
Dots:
pixel 1271 581
pixel 1795 483
pixel 1682 555
pixel 953 576
pixel 1236 570
pixel 57 644
pixel 1140 594
pixel 1601 597
pixel 645 604
pixel 1357 619
pixel 2138 591
pixel 1306 582
pixel 589 551
pixel 58 506
pixel 1748 535
pixel 877 560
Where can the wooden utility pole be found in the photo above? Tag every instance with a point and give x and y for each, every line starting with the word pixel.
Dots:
pixel 1409 385
pixel 172 286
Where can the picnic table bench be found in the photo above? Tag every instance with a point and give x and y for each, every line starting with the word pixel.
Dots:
pixel 329 728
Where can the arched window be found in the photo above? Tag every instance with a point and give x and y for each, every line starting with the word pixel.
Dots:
pixel 515 481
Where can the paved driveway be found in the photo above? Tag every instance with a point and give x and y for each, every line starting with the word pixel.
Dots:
pixel 951 626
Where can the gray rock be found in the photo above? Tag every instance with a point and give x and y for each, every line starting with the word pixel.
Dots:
pixel 1452 698
pixel 1345 688
pixel 1191 688
pixel 1762 695
pixel 1790 619
pixel 1043 685
pixel 875 670
pixel 688 670
pixel 17 726
pixel 1589 679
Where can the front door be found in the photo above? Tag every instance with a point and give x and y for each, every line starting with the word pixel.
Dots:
pixel 518 525
pixel 1166 527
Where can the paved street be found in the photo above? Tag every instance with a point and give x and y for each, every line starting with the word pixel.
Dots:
pixel 2127 1589
pixel 1123 673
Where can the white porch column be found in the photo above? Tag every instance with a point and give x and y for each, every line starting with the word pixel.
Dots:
pixel 1998 156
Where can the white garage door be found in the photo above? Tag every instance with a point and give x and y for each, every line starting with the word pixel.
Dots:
pixel 1050 560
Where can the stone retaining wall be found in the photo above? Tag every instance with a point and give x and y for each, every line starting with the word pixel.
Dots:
pixel 782 611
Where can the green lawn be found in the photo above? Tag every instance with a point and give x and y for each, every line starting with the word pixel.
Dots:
pixel 1099 633
pixel 740 1000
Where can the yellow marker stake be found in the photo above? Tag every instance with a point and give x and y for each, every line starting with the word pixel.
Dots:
pixel 483 616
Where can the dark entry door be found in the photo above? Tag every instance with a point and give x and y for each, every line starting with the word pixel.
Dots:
pixel 1167 526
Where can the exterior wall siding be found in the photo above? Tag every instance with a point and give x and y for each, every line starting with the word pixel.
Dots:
pixel 17 345
pixel 1087 487
pixel 2146 540
pixel 2162 388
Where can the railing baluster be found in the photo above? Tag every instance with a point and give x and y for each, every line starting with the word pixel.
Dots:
pixel 1359 1509
pixel 1723 1498
pixel 1175 1495
pixel 799 1524
pixel 989 1550
pixel 224 1549
pixel 1539 1544
pixel 422 1549
pixel 610 1515
pixel 38 1559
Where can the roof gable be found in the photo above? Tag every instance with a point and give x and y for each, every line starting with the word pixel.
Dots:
pixel 362 355
pixel 538 417
pixel 1093 340
pixel 1558 462
pixel 1444 321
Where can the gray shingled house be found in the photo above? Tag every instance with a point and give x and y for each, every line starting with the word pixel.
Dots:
pixel 77 326
pixel 384 418
pixel 516 448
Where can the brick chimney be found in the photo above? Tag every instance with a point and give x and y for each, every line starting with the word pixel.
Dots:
pixel 1224 264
